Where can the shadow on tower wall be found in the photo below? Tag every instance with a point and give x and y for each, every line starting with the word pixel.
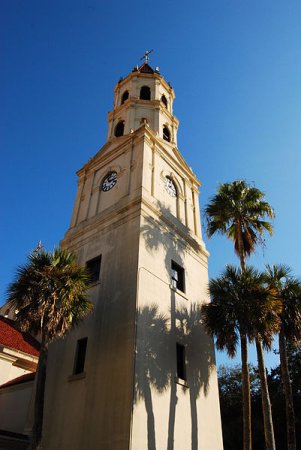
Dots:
pixel 156 354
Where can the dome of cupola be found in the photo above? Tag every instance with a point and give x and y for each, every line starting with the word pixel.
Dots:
pixel 143 97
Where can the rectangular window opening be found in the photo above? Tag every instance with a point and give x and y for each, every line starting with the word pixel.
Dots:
pixel 80 356
pixel 177 276
pixel 93 267
pixel 181 365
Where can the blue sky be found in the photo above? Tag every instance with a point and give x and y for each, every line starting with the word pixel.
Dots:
pixel 235 67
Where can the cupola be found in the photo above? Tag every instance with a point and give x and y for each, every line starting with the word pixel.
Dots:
pixel 143 98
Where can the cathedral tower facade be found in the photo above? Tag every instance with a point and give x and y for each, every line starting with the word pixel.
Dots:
pixel 139 373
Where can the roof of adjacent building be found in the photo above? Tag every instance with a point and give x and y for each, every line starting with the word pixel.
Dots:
pixel 11 336
pixel 19 380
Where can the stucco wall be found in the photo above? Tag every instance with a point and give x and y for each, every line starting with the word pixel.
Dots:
pixel 94 411
pixel 16 408
pixel 166 413
pixel 8 371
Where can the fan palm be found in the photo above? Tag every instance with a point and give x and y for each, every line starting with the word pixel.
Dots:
pixel 48 294
pixel 264 323
pixel 238 210
pixel 242 308
pixel 288 291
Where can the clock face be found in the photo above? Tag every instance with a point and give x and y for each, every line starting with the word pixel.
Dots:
pixel 170 187
pixel 109 182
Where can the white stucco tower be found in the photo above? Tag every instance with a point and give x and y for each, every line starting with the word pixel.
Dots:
pixel 139 374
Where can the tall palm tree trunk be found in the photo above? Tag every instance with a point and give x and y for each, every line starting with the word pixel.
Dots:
pixel 39 398
pixel 246 397
pixel 287 388
pixel 265 398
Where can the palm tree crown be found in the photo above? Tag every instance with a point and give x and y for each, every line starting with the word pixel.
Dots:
pixel 288 289
pixel 238 210
pixel 48 294
pixel 243 308
pixel 240 304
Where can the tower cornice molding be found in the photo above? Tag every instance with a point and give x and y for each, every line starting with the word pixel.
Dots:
pixel 164 149
pixel 133 102
pixel 103 220
pixel 158 78
pixel 175 226
pixel 102 157
pixel 160 148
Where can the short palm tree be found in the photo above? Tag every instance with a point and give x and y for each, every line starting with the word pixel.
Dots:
pixel 49 295
pixel 288 290
pixel 241 307
pixel 264 322
pixel 239 211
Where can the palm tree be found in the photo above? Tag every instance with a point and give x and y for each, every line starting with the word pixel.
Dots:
pixel 241 307
pixel 264 322
pixel 239 211
pixel 48 293
pixel 288 291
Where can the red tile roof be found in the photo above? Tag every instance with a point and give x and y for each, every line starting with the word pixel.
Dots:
pixel 11 337
pixel 19 380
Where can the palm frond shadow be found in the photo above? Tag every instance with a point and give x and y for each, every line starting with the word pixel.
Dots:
pixel 158 350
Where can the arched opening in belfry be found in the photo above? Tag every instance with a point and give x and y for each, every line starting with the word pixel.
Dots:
pixel 124 97
pixel 164 100
pixel 145 93
pixel 166 133
pixel 119 129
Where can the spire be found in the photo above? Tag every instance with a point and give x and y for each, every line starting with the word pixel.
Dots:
pixel 146 56
pixel 145 67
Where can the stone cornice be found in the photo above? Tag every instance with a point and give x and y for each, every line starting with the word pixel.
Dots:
pixel 123 144
pixel 114 217
pixel 111 217
pixel 132 102
pixel 175 225
pixel 155 76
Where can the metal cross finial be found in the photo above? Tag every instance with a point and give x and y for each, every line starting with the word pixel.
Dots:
pixel 39 247
pixel 145 56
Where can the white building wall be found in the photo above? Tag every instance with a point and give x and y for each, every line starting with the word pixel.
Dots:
pixel 16 404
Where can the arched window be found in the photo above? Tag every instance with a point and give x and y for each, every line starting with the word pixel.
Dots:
pixel 119 129
pixel 145 93
pixel 166 133
pixel 164 100
pixel 124 97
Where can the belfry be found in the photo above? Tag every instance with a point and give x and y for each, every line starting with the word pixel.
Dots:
pixel 139 373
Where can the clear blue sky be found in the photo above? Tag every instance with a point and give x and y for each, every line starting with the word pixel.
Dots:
pixel 236 70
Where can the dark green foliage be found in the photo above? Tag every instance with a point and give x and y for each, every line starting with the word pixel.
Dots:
pixel 231 404
pixel 49 294
pixel 238 210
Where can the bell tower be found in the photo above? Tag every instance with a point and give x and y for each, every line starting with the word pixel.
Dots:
pixel 139 373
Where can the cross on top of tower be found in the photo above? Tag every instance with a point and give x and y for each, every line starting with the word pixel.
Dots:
pixel 145 56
